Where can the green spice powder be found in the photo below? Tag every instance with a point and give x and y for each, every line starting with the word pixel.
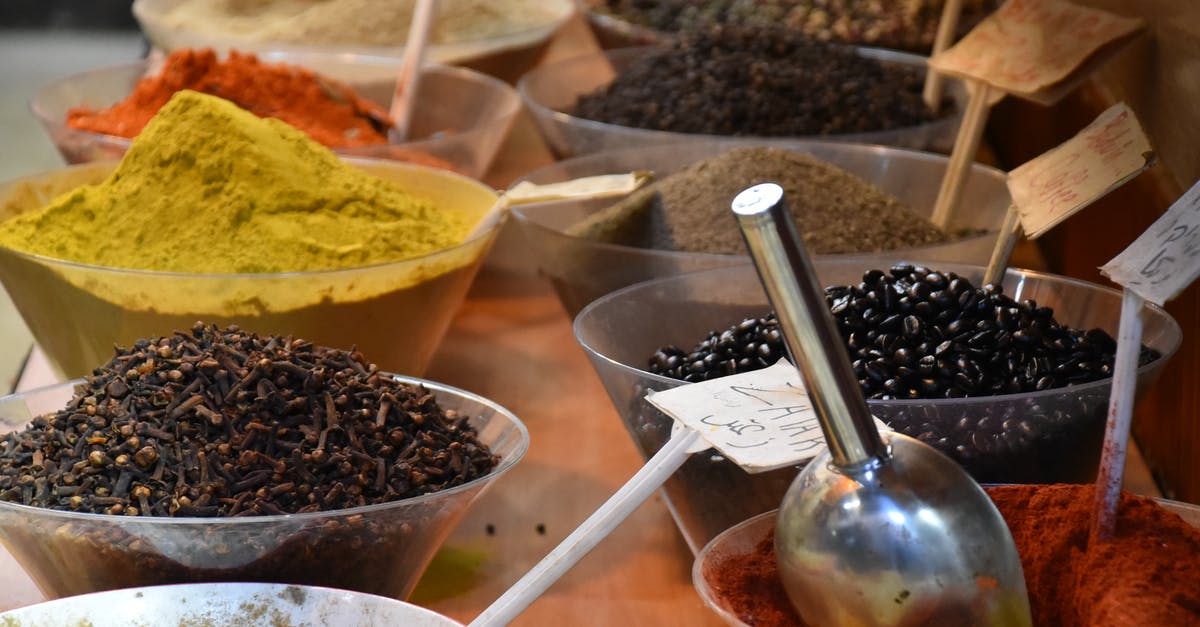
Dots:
pixel 210 188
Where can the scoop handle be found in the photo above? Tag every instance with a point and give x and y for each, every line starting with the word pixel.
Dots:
pixel 808 327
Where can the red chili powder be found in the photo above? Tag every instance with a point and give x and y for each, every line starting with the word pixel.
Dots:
pixel 1149 574
pixel 328 111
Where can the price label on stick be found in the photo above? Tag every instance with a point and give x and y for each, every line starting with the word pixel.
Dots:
pixel 761 420
pixel 1102 157
pixel 1028 46
pixel 1166 258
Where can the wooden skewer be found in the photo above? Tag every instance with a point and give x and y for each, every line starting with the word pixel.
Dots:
pixel 1010 230
pixel 947 25
pixel 965 146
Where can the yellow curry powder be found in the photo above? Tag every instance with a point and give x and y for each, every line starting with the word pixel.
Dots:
pixel 210 188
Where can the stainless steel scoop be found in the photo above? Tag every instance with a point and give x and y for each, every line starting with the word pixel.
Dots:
pixel 875 531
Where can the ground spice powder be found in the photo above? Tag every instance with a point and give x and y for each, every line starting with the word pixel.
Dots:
pixel 328 111
pixel 1147 575
pixel 835 211
pixel 210 188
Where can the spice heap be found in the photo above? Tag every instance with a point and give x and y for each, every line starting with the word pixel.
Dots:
pixel 909 25
pixel 759 82
pixel 835 211
pixel 220 422
pixel 355 22
pixel 1145 576
pixel 208 187
pixel 913 332
pixel 328 111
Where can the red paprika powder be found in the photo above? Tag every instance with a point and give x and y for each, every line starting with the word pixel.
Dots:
pixel 328 111
pixel 1148 574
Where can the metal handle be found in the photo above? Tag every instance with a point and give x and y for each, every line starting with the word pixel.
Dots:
pixel 808 326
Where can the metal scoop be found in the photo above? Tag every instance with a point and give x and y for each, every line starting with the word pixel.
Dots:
pixel 873 531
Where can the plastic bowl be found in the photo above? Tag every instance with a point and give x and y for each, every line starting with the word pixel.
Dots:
pixel 550 92
pixel 225 604
pixel 1053 436
pixel 511 52
pixel 378 549
pixel 583 270
pixel 743 538
pixel 78 312
pixel 461 118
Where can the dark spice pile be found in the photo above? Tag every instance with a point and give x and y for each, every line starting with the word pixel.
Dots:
pixel 220 422
pixel 761 82
pixel 909 25
pixel 834 211
pixel 913 332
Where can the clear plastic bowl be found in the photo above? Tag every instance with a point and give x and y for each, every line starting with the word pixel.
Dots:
pixel 225 604
pixel 401 310
pixel 511 53
pixel 743 538
pixel 378 549
pixel 461 117
pixel 583 270
pixel 550 92
pixel 1053 436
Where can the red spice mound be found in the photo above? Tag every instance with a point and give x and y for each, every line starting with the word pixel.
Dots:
pixel 1149 574
pixel 328 111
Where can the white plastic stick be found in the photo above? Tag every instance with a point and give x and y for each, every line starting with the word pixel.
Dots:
pixel 1120 416
pixel 405 98
pixel 963 155
pixel 947 25
pixel 591 532
pixel 1010 230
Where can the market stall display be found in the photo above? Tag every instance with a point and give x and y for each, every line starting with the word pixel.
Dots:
pixel 459 121
pixel 583 269
pixel 237 220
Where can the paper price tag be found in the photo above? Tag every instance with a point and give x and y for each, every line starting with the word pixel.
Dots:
pixel 1102 157
pixel 1166 258
pixel 761 420
pixel 1026 46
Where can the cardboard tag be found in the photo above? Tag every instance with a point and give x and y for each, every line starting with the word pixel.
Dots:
pixel 1166 258
pixel 761 420
pixel 598 186
pixel 1027 46
pixel 1060 182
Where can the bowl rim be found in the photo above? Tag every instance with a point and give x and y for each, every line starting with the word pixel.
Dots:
pixel 801 146
pixel 197 589
pixel 149 15
pixel 511 101
pixel 1174 333
pixel 484 481
pixel 955 89
pixel 495 218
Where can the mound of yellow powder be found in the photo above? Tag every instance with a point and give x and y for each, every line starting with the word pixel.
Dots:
pixel 210 188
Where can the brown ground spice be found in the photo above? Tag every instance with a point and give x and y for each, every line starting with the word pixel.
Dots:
pixel 1149 574
pixel 835 211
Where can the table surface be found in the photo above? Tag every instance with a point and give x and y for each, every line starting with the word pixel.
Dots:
pixel 512 342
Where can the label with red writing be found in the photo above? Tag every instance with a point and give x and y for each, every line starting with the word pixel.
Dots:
pixel 762 420
pixel 1060 182
pixel 1166 258
pixel 1028 45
